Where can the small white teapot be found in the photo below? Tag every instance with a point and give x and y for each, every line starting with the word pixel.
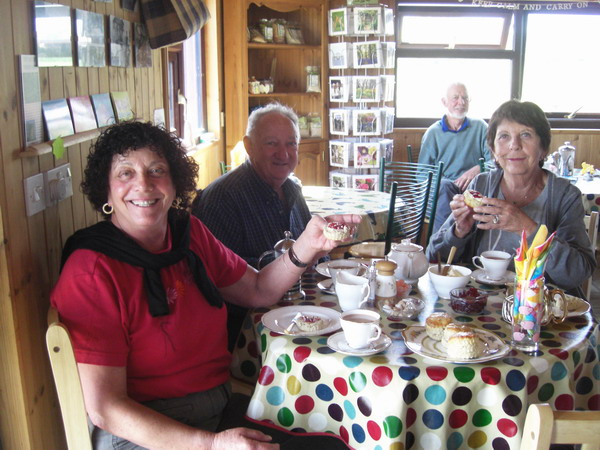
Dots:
pixel 410 259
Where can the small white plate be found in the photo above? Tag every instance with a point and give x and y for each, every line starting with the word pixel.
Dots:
pixel 480 277
pixel 338 343
pixel 419 342
pixel 577 306
pixel 324 270
pixel 326 286
pixel 279 319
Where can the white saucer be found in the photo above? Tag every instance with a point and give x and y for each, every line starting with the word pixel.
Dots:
pixel 338 343
pixel 480 277
pixel 327 286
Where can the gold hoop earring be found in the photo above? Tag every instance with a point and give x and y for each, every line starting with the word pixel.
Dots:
pixel 107 209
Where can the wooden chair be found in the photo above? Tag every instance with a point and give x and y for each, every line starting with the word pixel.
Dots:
pixel 68 385
pixel 543 427
pixel 407 174
pixel 591 223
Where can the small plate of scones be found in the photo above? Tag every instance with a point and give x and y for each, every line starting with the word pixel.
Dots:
pixel 444 340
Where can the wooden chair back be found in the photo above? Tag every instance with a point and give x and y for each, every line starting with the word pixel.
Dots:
pixel 68 384
pixel 592 228
pixel 544 426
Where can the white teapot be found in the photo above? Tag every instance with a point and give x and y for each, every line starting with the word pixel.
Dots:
pixel 410 259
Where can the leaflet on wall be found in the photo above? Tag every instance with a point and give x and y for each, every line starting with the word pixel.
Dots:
pixel 33 131
pixel 57 118
pixel 141 43
pixel 120 42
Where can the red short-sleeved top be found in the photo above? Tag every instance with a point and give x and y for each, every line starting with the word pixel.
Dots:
pixel 103 303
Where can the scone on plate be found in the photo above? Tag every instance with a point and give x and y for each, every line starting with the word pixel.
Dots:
pixel 310 323
pixel 435 324
pixel 464 345
pixel 336 231
pixel 473 198
pixel 451 329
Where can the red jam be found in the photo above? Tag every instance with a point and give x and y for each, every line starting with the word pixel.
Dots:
pixel 468 300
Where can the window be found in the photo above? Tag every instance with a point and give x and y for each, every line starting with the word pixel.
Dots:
pixel 186 87
pixel 499 53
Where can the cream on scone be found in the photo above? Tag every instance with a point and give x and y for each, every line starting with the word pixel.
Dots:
pixel 310 323
pixel 473 198
pixel 336 231
pixel 464 345
pixel 435 324
pixel 451 329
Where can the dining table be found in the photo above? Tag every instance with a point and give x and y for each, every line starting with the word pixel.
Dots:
pixel 400 398
pixel 372 206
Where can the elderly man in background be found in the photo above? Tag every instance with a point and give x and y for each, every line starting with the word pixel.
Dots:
pixel 250 208
pixel 459 142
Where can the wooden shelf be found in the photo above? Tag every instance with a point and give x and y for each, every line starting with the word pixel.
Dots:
pixel 283 94
pixel 254 45
pixel 46 147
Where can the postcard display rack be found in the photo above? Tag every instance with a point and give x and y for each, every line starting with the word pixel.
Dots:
pixel 361 92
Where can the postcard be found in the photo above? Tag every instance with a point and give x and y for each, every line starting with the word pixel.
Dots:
pixel 122 106
pixel 339 89
pixel 340 153
pixel 105 115
pixel 82 113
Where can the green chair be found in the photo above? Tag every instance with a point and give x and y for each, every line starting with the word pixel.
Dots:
pixel 412 155
pixel 407 174
pixel 486 166
pixel 223 167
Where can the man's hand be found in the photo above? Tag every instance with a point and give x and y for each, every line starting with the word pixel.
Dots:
pixel 463 181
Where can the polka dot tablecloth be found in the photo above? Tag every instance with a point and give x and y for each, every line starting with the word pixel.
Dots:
pixel 590 193
pixel 398 399
pixel 372 205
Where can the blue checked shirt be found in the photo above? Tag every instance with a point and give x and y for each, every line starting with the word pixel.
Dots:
pixel 246 214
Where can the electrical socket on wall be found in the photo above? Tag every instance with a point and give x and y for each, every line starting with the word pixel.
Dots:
pixel 58 184
pixel 35 197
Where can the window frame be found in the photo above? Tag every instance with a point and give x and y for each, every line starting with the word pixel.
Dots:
pixel 516 56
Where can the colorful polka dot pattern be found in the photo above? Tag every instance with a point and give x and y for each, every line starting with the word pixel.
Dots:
pixel 398 400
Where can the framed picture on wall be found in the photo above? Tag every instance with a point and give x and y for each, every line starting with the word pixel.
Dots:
pixel 367 54
pixel 120 42
pixel 340 153
pixel 366 155
pixel 339 121
pixel 366 122
pixel 89 33
pixel 82 113
pixel 339 89
pixel 122 106
pixel 338 22
pixel 53 34
pixel 141 45
pixel 366 89
pixel 367 20
pixel 340 55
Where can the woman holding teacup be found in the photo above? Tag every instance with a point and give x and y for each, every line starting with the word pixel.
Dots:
pixel 519 195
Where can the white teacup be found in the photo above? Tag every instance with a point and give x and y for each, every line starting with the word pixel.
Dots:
pixel 493 263
pixel 342 265
pixel 361 327
pixel 352 291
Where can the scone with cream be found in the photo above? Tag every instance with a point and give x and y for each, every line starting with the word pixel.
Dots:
pixel 435 324
pixel 473 198
pixel 336 231
pixel 310 323
pixel 464 345
pixel 451 329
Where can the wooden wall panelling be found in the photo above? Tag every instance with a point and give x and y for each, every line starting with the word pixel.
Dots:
pixel 31 246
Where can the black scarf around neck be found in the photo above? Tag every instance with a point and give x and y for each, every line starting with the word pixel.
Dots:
pixel 105 238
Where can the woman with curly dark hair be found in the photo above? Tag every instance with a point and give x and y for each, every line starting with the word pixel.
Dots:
pixel 142 296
